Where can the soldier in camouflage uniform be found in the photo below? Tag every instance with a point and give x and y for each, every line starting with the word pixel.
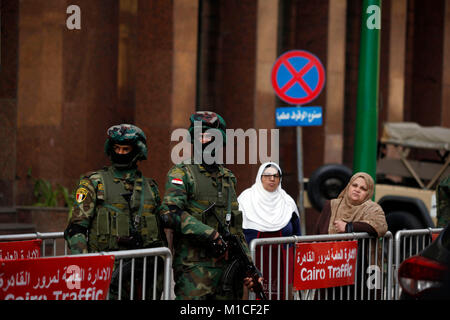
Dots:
pixel 116 208
pixel 443 203
pixel 200 253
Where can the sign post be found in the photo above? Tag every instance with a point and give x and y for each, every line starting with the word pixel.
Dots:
pixel 301 185
pixel 298 77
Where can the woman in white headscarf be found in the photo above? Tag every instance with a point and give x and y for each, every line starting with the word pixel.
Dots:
pixel 268 211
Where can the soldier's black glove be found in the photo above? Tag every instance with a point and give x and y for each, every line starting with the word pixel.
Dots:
pixel 218 247
pixel 167 219
pixel 72 229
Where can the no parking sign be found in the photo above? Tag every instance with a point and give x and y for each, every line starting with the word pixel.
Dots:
pixel 298 77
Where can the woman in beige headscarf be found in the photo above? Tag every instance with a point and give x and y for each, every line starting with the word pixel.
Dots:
pixel 353 211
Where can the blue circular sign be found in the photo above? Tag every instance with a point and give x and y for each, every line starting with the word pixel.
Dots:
pixel 298 77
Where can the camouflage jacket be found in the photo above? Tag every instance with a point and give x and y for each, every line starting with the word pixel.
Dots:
pixel 194 228
pixel 110 218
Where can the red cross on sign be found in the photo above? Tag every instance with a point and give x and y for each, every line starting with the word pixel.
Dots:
pixel 298 77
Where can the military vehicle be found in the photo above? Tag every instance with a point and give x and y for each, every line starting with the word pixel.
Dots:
pixel 405 187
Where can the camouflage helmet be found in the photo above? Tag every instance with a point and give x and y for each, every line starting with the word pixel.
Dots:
pixel 209 120
pixel 127 134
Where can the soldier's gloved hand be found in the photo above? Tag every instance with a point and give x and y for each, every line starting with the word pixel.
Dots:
pixel 218 246
pixel 76 237
pixel 78 244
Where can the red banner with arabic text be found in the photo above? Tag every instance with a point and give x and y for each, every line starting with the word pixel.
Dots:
pixel 15 250
pixel 324 264
pixel 58 278
pixel 434 236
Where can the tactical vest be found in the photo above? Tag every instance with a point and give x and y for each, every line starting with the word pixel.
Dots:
pixel 219 191
pixel 117 220
pixel 443 202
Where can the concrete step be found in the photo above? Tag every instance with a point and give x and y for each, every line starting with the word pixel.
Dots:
pixel 16 228
pixel 8 215
pixel 31 219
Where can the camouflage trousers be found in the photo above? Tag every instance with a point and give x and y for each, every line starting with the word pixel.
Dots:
pixel 201 283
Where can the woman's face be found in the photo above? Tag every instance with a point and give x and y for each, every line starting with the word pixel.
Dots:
pixel 270 179
pixel 358 191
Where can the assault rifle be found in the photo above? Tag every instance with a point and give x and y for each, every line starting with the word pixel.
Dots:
pixel 241 265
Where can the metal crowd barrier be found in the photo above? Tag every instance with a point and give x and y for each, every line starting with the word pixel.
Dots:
pixel 393 251
pixel 121 256
pixel 384 245
pixel 54 241
pixel 408 243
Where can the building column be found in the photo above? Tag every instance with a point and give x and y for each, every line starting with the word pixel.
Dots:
pixel 335 82
pixel 397 45
pixel 66 92
pixel 266 54
pixel 166 77
pixel 9 11
pixel 445 104
pixel 264 97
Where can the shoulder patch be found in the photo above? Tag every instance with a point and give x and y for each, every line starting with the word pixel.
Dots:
pixel 81 194
pixel 176 172
pixel 177 181
pixel 85 182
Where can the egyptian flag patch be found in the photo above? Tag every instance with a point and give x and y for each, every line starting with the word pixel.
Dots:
pixel 177 181
pixel 81 194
